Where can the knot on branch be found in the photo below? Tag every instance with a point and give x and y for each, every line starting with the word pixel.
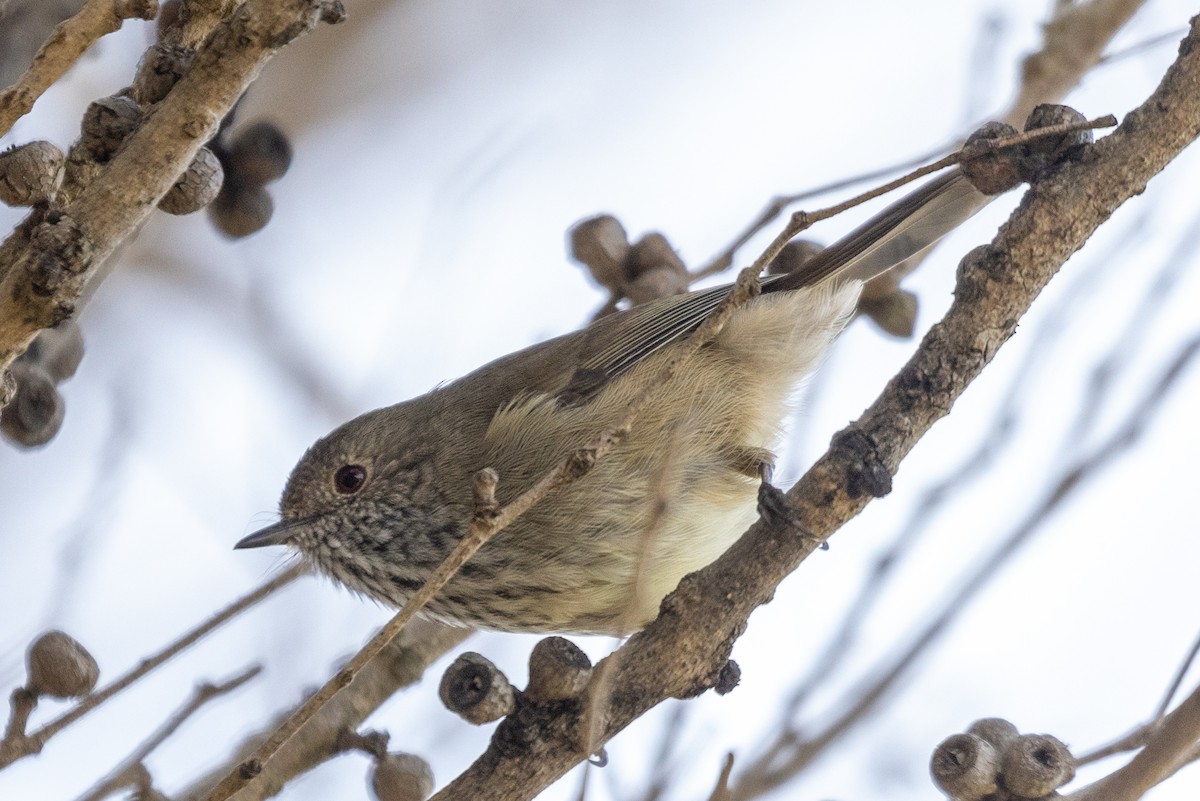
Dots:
pixel 398 776
pixel 106 124
pixel 582 460
pixel 866 474
pixel 62 251
pixel 135 9
pixel 996 158
pixel 1035 765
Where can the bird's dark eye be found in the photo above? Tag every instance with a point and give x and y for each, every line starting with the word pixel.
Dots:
pixel 349 478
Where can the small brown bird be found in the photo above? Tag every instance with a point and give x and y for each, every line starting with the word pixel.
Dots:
pixel 379 503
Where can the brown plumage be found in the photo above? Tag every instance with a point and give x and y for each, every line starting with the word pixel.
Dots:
pixel 380 501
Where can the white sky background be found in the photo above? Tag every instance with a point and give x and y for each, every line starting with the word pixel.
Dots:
pixel 442 150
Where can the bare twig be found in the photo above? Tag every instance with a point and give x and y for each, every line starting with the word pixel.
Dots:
pixel 64 47
pixel 721 791
pixel 801 221
pixel 1140 47
pixel 1106 372
pixel 724 260
pixel 130 771
pixel 21 703
pixel 1180 674
pixel 1073 42
pixel 14 748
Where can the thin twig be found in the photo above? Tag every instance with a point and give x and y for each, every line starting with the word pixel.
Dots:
pixel 70 39
pixel 721 791
pixel 22 702
pixel 129 771
pixel 401 665
pixel 1180 674
pixel 1138 737
pixel 12 749
pixel 801 221
pixel 724 260
pixel 1140 47
pixel 1171 746
pixel 1105 374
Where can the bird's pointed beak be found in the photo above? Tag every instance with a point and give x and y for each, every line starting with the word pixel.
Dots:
pixel 275 534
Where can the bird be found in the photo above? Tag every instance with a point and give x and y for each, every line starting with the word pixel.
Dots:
pixel 380 501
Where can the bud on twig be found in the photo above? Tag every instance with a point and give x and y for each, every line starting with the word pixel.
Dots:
pixel 57 350
pixel 475 690
pixel 1047 151
pixel 401 777
pixel 241 211
pixel 558 670
pixel 601 244
pixel 35 414
pixel 793 256
pixel 1034 765
pixel 197 187
pixel 997 171
pixel 965 767
pixel 30 173
pixel 60 667
pixel 107 123
pixel 654 270
pixel 997 731
pixel 260 154
pixel 895 312
pixel 160 69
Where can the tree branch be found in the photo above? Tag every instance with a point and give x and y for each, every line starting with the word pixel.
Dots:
pixel 45 264
pixel 681 653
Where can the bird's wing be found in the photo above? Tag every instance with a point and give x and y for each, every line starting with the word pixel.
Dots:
pixel 914 223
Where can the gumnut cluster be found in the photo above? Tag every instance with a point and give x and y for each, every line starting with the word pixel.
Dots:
pixel 992 761
pixel 477 691
pixel 253 158
pixel 642 271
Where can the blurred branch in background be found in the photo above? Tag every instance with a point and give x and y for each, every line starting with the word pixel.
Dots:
pixel 133 772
